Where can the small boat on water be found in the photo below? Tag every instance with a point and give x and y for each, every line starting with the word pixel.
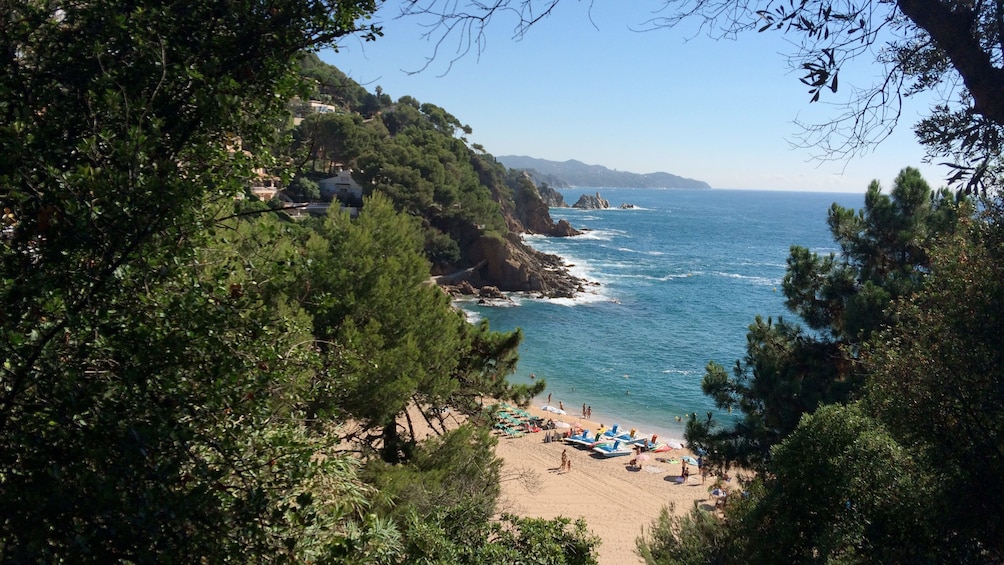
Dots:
pixel 615 449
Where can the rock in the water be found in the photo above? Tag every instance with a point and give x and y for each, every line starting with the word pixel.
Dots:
pixel 586 202
pixel 564 229
pixel 466 289
pixel 491 292
pixel 626 206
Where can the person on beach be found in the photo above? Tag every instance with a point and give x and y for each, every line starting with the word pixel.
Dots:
pixel 583 409
pixel 589 413
pixel 684 472
pixel 548 398
pixel 564 461
pixel 561 405
pixel 634 462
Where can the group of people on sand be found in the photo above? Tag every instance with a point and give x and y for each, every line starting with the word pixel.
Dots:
pixel 566 462
pixel 587 411
pixel 702 469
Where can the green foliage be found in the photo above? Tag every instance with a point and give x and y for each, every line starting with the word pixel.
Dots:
pixel 172 364
pixel 335 86
pixel 936 383
pixel 154 355
pixel 841 489
pixel 454 477
pixel 410 153
pixel 698 538
pixel 331 141
pixel 388 337
pixel 302 189
pixel 491 357
pixel 534 540
pixel 881 480
pixel 883 256
pixel 787 372
pixel 784 374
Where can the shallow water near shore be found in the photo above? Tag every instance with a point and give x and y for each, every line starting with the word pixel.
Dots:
pixel 681 276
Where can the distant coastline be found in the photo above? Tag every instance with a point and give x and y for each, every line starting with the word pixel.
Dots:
pixel 576 174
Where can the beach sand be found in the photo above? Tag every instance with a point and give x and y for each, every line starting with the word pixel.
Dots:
pixel 617 501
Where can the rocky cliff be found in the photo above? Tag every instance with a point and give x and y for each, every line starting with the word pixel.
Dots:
pixel 506 263
pixel 551 197
pixel 530 212
pixel 511 265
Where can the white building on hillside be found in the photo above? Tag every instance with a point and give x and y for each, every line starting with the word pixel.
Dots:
pixel 322 108
pixel 341 187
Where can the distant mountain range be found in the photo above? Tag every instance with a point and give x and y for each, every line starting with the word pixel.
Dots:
pixel 574 173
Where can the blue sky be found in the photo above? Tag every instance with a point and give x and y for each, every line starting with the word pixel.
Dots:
pixel 595 90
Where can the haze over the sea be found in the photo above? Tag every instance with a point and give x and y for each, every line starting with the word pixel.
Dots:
pixel 681 277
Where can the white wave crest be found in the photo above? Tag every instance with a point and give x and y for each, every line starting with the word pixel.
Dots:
pixel 760 281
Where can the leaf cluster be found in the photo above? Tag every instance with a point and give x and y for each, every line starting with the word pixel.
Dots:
pixel 179 368
pixel 416 154
pixel 880 479
pixel 844 299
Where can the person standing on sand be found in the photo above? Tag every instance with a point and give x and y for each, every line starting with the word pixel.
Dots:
pixel 589 413
pixel 561 405
pixel 548 398
pixel 564 461
pixel 583 409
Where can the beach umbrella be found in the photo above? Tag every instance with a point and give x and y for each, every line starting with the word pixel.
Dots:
pixel 675 445
pixel 689 460
pixel 642 458
pixel 553 409
pixel 562 425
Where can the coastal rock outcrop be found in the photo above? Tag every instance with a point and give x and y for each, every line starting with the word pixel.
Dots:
pixel 510 265
pixel 531 213
pixel 564 229
pixel 552 198
pixel 489 292
pixel 503 262
pixel 587 202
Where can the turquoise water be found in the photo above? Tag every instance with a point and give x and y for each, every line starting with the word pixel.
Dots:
pixel 680 278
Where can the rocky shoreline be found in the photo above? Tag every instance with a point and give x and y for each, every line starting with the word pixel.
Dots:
pixel 510 265
pixel 514 267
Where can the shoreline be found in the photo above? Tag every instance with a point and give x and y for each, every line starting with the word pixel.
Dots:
pixel 617 501
pixel 600 417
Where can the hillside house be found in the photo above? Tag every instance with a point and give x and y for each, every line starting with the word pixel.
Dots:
pixel 321 107
pixel 341 187
pixel 264 185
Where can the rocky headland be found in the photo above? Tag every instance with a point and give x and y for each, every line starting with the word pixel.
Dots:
pixel 507 263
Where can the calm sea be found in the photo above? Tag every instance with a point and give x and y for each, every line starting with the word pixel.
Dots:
pixel 681 276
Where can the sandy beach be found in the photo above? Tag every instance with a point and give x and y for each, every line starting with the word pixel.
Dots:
pixel 617 501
